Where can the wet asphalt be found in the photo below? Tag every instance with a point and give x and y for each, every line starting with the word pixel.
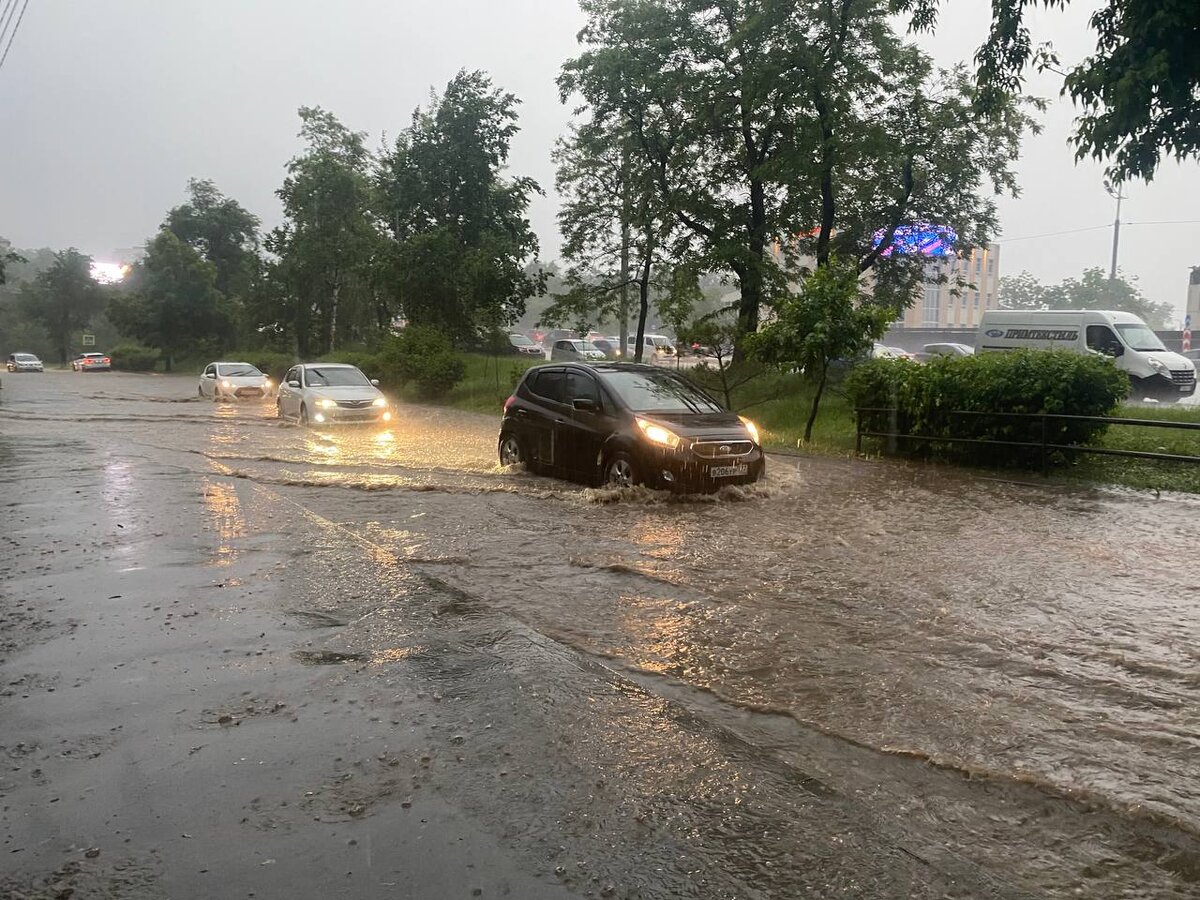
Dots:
pixel 243 659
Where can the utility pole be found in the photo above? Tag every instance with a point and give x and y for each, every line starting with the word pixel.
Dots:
pixel 1119 195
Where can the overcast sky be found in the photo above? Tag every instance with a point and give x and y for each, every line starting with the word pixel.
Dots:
pixel 107 108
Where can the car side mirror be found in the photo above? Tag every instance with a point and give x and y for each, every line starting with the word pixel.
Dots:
pixel 375 381
pixel 210 375
pixel 294 384
pixel 585 404
pixel 1115 350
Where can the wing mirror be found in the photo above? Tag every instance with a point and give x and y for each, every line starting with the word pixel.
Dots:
pixel 294 384
pixel 375 381
pixel 584 404
pixel 210 375
pixel 1115 350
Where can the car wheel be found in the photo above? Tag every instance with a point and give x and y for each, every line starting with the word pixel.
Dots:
pixel 620 471
pixel 303 415
pixel 510 450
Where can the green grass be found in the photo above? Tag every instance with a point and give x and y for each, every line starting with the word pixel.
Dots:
pixel 1146 474
pixel 485 386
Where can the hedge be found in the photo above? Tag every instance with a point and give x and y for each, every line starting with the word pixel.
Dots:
pixel 134 358
pixel 1024 381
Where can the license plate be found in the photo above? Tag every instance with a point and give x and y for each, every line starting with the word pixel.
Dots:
pixel 728 471
pixel 1185 387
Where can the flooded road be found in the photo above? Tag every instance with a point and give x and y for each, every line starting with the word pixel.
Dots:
pixel 853 679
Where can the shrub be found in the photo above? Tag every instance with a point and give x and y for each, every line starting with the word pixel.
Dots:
pixel 134 358
pixel 269 362
pixel 369 363
pixel 924 398
pixel 424 357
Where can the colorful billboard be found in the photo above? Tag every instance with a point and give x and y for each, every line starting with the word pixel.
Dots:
pixel 920 239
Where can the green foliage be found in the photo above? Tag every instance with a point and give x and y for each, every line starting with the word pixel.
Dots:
pixel 1093 290
pixel 1137 92
pixel 423 357
pixel 222 232
pixel 171 302
pixel 371 364
pixel 1024 381
pixel 461 234
pixel 134 358
pixel 7 258
pixel 828 317
pixel 328 247
pixel 269 362
pixel 63 299
pixel 764 122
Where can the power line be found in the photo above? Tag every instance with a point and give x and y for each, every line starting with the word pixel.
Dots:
pixel 13 36
pixel 1171 222
pixel 6 18
pixel 1031 237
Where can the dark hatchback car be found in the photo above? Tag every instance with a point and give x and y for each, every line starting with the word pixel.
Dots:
pixel 623 424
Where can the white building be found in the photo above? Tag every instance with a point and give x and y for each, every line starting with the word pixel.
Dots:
pixel 969 285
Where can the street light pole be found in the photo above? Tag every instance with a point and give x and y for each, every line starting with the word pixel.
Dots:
pixel 1119 195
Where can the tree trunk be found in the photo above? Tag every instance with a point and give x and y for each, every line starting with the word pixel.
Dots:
pixel 623 333
pixel 643 307
pixel 750 272
pixel 812 416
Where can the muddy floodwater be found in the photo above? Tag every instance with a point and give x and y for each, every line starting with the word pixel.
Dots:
pixel 239 657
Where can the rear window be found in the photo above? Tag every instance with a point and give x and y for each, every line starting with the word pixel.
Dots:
pixel 550 385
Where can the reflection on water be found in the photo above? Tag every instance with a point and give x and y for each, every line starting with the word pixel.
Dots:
pixel 225 513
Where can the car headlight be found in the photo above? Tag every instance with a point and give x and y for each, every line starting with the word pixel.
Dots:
pixel 380 401
pixel 266 382
pixel 226 384
pixel 326 403
pixel 1159 366
pixel 752 428
pixel 657 434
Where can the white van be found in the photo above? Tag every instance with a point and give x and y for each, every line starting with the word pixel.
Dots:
pixel 1154 370
pixel 653 345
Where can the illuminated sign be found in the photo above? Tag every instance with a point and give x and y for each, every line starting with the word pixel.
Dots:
pixel 919 239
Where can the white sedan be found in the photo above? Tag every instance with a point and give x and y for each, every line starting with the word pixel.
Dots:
pixel 331 394
pixel 233 381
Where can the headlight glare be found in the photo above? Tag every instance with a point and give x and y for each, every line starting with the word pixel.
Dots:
pixel 657 434
pixel 380 401
pixel 752 428
pixel 325 403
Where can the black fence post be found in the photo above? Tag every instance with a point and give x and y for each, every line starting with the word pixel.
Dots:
pixel 1045 459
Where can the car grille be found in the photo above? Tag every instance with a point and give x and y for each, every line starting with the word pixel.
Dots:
pixel 355 404
pixel 1183 376
pixel 249 392
pixel 716 449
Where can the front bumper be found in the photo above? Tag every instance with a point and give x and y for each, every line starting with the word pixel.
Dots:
pixel 370 415
pixel 1175 386
pixel 686 471
pixel 25 368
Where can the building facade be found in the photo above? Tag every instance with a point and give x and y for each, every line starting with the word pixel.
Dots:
pixel 969 285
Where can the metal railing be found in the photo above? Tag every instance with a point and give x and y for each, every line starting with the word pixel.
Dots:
pixel 1044 446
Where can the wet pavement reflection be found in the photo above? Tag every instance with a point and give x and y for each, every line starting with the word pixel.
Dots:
pixel 1000 676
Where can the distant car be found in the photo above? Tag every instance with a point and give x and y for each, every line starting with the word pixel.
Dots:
pixel 623 424
pixel 524 346
pixel 331 394
pixel 882 351
pixel 610 345
pixel 91 362
pixel 653 345
pixel 554 335
pixel 949 349
pixel 233 381
pixel 24 362
pixel 575 350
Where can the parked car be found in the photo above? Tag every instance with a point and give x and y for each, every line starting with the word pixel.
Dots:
pixel 653 345
pixel 882 351
pixel 625 424
pixel 91 362
pixel 24 362
pixel 948 349
pixel 523 346
pixel 575 350
pixel 1153 370
pixel 331 394
pixel 554 335
pixel 233 381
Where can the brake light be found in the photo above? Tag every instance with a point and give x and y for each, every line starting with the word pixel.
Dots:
pixel 107 360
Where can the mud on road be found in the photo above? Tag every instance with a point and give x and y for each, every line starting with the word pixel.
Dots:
pixel 241 658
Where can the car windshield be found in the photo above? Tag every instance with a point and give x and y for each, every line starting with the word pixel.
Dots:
pixel 661 342
pixel 585 346
pixel 520 340
pixel 340 376
pixel 24 357
pixel 655 392
pixel 1139 337
pixel 238 370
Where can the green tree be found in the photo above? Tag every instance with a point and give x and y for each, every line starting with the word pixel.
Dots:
pixel 1139 92
pixel 461 238
pixel 829 316
pixel 778 132
pixel 8 256
pixel 1023 292
pixel 222 231
pixel 1092 290
pixel 64 299
pixel 171 302
pixel 329 245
